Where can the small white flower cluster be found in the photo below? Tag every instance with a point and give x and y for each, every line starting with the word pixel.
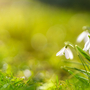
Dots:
pixel 83 36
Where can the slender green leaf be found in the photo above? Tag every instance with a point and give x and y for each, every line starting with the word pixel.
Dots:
pixel 82 52
pixel 83 71
pixel 82 79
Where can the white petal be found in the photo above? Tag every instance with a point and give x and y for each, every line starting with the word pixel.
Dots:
pixel 87 45
pixel 84 48
pixel 60 53
pixel 66 54
pixel 86 38
pixel 89 51
pixel 70 53
pixel 81 36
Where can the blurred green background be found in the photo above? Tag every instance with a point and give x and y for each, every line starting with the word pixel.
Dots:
pixel 32 32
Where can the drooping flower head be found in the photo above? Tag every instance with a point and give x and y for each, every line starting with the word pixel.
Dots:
pixel 65 51
pixel 84 34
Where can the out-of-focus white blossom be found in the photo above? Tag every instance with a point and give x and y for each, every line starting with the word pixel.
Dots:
pixel 23 77
pixel 83 36
pixel 5 66
pixel 65 51
pixel 27 73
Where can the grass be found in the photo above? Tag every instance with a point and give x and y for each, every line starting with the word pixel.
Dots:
pixel 10 82
pixel 30 36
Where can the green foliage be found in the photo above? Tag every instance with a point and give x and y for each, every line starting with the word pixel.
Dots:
pixel 80 70
pixel 82 79
pixel 10 82
pixel 82 52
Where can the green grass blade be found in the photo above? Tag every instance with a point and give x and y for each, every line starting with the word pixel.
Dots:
pixel 82 52
pixel 82 79
pixel 82 71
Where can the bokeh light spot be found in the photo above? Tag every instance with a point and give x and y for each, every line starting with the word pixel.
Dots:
pixel 38 41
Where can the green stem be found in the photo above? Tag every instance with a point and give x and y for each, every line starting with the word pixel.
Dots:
pixel 84 63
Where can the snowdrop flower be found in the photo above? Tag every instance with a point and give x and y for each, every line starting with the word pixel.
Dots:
pixel 83 35
pixel 65 51
pixel 87 45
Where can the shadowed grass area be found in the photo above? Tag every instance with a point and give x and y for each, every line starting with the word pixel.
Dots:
pixel 74 4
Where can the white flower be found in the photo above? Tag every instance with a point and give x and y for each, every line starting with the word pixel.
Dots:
pixel 61 52
pixel 83 35
pixel 27 73
pixel 65 51
pixel 87 46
